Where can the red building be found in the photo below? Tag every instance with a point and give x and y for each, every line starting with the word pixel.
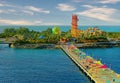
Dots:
pixel 74 27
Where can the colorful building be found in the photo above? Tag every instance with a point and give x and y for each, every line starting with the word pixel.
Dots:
pixel 75 32
pixel 74 27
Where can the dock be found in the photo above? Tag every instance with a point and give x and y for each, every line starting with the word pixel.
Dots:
pixel 91 69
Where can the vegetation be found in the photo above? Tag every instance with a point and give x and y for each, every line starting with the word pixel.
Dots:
pixel 24 35
pixel 114 35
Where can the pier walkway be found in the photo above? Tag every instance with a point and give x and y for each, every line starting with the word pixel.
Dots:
pixel 92 69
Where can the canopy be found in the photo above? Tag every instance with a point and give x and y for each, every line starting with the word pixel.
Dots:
pixel 76 50
pixel 103 66
pixel 89 60
pixel 96 65
pixel 98 62
pixel 89 57
pixel 72 47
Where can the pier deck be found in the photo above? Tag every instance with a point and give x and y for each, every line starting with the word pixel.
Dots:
pixel 96 74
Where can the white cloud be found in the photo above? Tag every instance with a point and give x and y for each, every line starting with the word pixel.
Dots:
pixel 28 12
pixel 38 22
pixel 11 10
pixel 51 23
pixel 14 22
pixel 5 4
pixel 23 22
pixel 18 22
pixel 108 1
pixel 1 4
pixel 65 7
pixel 35 9
pixel 77 0
pixel 1 11
pixel 88 6
pixel 101 13
pixel 8 11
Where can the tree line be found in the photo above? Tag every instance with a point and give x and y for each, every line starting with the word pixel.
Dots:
pixel 24 35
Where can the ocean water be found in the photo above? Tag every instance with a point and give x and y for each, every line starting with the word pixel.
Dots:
pixel 49 66
pixel 108 56
pixel 65 28
pixel 38 66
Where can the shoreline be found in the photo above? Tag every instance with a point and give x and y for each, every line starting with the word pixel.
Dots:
pixel 56 46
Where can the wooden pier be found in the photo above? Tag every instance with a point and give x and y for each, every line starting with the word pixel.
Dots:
pixel 97 75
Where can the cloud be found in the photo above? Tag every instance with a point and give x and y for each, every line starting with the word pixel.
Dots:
pixel 101 13
pixel 23 22
pixel 18 22
pixel 28 12
pixel 77 0
pixel 51 23
pixel 88 6
pixel 8 11
pixel 1 11
pixel 1 4
pixel 4 4
pixel 38 22
pixel 35 9
pixel 11 10
pixel 108 1
pixel 65 7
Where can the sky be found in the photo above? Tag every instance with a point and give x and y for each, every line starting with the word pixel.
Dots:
pixel 59 12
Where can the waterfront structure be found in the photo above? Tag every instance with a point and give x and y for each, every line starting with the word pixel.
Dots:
pixel 91 31
pixel 74 28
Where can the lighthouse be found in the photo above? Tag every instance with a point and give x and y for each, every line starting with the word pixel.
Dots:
pixel 74 27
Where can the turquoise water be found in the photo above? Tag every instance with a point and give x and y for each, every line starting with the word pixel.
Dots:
pixel 37 66
pixel 66 28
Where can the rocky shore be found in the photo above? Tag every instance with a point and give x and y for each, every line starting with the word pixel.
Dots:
pixel 80 45
pixel 32 46
pixel 98 44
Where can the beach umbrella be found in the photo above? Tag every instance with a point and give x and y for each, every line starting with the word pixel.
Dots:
pixel 89 60
pixel 103 66
pixel 89 57
pixel 98 62
pixel 72 47
pixel 76 51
